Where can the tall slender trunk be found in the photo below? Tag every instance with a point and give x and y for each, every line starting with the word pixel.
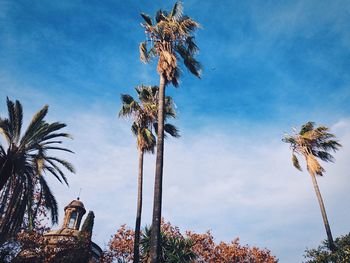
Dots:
pixel 323 212
pixel 158 183
pixel 139 209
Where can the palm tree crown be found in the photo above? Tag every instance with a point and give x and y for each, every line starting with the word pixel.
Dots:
pixel 145 116
pixel 313 143
pixel 24 161
pixel 170 36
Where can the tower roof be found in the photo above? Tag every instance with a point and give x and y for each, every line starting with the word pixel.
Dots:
pixel 76 204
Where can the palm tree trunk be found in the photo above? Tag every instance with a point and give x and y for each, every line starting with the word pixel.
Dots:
pixel 139 209
pixel 323 212
pixel 157 201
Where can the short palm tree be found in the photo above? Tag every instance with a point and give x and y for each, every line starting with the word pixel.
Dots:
pixel 24 162
pixel 145 120
pixel 170 39
pixel 174 249
pixel 314 143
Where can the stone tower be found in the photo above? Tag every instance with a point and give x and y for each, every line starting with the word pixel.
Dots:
pixel 74 212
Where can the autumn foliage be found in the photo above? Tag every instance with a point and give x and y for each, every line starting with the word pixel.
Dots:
pixel 203 245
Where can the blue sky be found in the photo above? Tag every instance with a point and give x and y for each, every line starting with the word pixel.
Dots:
pixel 267 66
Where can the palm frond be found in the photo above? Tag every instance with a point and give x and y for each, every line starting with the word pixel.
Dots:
pixel 324 156
pixel 176 77
pixel 12 118
pixel 169 108
pixel 177 11
pixel 296 162
pixel 64 163
pixel 171 130
pixel 309 126
pixel 50 200
pixel 193 66
pixel 5 130
pixel 134 128
pixel 192 48
pixel 58 148
pixel 144 56
pixel 187 25
pixel 129 106
pixel 55 167
pixel 189 61
pixel 126 99
pixel 160 16
pixel 36 122
pixel 147 19
pixel 57 135
pixel 53 171
pixel 330 145
pixel 18 121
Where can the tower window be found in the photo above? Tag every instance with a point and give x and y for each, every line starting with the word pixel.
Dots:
pixel 73 217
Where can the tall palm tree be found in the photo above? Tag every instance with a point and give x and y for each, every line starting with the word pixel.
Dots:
pixel 24 162
pixel 145 120
pixel 170 39
pixel 312 143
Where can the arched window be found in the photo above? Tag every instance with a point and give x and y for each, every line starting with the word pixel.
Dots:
pixel 73 217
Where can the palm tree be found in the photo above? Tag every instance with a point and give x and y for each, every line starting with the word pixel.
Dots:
pixel 313 143
pixel 145 120
pixel 23 166
pixel 170 39
pixel 174 248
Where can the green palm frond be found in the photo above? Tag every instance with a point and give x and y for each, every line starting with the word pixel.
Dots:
pixel 324 156
pixel 189 61
pixel 64 163
pixel 296 162
pixel 126 99
pixel 160 16
pixel 169 107
pixel 57 135
pixel 193 66
pixel 309 126
pixel 50 200
pixel 129 106
pixel 18 120
pixel 51 170
pixel 171 130
pixel 12 119
pixel 5 130
pixel 57 170
pixel 134 128
pixel 58 148
pixel 176 78
pixel 177 11
pixel 15 113
pixel 146 140
pixel 36 122
pixel 330 145
pixel 147 19
pixel 192 48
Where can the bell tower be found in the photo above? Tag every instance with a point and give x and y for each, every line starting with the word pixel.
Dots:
pixel 74 212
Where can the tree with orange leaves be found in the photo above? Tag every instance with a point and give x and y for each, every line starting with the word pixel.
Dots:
pixel 202 246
